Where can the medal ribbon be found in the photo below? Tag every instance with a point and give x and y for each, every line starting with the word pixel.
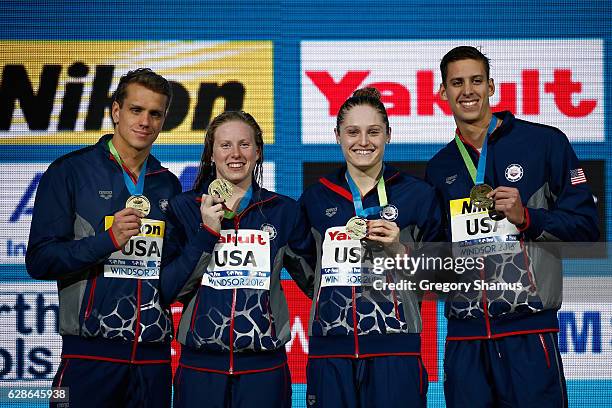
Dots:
pixel 382 196
pixel 134 189
pixel 244 202
pixel 477 175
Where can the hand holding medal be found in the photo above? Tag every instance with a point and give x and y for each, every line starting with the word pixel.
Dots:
pixel 377 234
pixel 221 188
pixel 507 203
pixel 357 228
pixel 212 210
pixel 213 206
pixel 481 198
pixel 140 203
pixel 126 224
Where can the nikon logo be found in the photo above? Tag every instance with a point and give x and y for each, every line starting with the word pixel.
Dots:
pixel 87 95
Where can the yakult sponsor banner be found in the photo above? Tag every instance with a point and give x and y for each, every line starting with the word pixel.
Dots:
pixel 554 82
pixel 59 92
pixel 17 196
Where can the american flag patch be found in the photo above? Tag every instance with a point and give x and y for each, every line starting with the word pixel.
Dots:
pixel 577 177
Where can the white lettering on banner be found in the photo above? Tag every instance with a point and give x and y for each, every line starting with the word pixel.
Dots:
pixel 475 234
pixel 30 346
pixel 298 333
pixel 545 81
pixel 345 262
pixel 140 258
pixel 240 260
pixel 585 329
pixel 17 197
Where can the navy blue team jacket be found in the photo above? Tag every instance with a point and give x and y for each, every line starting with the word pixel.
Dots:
pixel 100 318
pixel 356 321
pixel 234 330
pixel 539 161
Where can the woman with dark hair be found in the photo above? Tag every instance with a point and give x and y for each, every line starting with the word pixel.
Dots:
pixel 364 347
pixel 228 240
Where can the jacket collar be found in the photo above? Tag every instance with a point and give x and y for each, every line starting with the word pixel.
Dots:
pixel 336 181
pixel 153 165
pixel 507 119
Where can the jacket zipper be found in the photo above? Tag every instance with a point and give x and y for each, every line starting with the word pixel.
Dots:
pixel 137 329
pixel 231 333
pixel 236 228
pixel 485 307
pixel 90 301
pixel 355 323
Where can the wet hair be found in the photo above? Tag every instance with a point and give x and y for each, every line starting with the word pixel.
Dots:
pixel 147 78
pixel 364 96
pixel 207 167
pixel 462 53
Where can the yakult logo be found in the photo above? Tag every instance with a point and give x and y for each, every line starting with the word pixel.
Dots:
pixel 230 238
pixel 541 81
pixel 338 235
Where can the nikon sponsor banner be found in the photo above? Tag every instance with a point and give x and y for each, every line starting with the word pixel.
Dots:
pixel 18 193
pixel 59 92
pixel 544 81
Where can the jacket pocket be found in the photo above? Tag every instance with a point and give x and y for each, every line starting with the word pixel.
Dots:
pixel 380 312
pixel 90 297
pixel 212 317
pixel 544 349
pixel 333 312
pixel 110 309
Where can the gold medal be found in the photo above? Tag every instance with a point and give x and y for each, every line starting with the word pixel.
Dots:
pixel 479 199
pixel 357 228
pixel 140 203
pixel 221 188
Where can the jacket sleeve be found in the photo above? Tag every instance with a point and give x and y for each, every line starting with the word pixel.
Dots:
pixel 299 258
pixel 61 243
pixel 442 206
pixel 431 242
pixel 184 259
pixel 571 214
pixel 430 226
